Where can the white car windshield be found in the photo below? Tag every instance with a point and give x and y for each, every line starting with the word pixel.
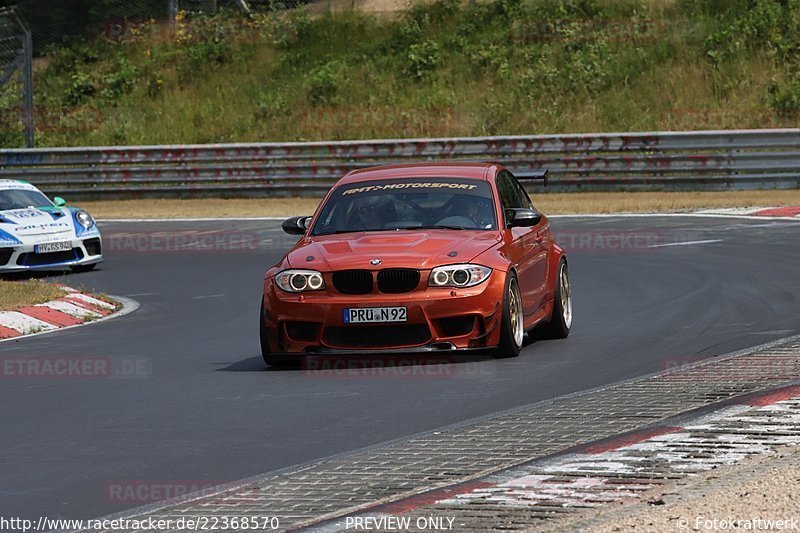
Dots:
pixel 22 198
pixel 408 204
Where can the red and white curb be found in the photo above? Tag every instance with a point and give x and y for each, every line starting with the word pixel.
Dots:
pixel 628 468
pixel 786 212
pixel 73 309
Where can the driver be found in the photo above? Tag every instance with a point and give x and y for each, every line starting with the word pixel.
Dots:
pixel 476 208
pixel 374 212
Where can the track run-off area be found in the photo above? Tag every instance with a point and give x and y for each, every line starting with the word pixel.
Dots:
pixel 191 405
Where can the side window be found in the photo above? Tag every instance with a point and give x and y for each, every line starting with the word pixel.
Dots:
pixel 523 194
pixel 508 191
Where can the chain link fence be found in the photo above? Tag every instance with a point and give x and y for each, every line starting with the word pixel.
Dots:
pixel 30 30
pixel 58 22
pixel 16 75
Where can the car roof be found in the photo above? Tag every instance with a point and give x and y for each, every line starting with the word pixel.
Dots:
pixel 479 170
pixel 16 184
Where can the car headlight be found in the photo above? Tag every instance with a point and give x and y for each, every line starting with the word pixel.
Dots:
pixel 84 219
pixel 300 280
pixel 465 275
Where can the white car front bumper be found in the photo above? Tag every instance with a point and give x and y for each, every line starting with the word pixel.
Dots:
pixel 22 257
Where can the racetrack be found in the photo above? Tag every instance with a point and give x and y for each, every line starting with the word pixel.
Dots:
pixel 650 293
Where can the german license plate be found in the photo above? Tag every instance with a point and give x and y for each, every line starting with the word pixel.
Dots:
pixel 52 247
pixel 365 315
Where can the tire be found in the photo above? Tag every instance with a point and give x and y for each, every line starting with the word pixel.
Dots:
pixel 270 358
pixel 512 329
pixel 561 318
pixel 83 268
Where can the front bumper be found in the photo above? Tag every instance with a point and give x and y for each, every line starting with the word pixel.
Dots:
pixel 22 257
pixel 438 319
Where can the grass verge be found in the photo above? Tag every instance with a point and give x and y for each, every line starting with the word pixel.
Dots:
pixel 440 68
pixel 17 294
pixel 554 204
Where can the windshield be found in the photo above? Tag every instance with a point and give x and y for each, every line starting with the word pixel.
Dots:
pixel 419 203
pixel 22 198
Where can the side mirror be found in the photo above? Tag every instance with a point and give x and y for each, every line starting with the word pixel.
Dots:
pixel 519 217
pixel 296 225
pixel 60 202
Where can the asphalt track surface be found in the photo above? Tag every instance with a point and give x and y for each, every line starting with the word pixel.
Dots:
pixel 196 405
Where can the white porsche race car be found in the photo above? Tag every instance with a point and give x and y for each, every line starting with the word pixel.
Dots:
pixel 39 234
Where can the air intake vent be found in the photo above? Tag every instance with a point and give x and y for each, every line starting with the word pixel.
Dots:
pixel 54 258
pixel 397 280
pixel 382 336
pixel 93 246
pixel 353 281
pixel 5 255
pixel 302 331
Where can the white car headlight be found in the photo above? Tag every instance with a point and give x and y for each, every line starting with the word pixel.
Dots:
pixel 465 275
pixel 84 219
pixel 295 280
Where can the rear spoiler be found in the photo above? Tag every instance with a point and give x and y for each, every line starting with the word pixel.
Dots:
pixel 535 175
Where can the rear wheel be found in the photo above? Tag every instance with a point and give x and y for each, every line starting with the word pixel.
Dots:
pixel 270 358
pixel 561 318
pixel 512 329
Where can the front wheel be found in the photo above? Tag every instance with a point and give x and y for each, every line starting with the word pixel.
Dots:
pixel 512 329
pixel 561 318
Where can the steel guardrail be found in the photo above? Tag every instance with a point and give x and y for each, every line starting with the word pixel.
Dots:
pixel 695 160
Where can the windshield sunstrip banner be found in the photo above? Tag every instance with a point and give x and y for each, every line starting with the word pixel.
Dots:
pixel 411 185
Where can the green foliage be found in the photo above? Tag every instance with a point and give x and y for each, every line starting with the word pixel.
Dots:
pixel 785 97
pixel 270 106
pixel 449 67
pixel 209 53
pixel 11 127
pixel 81 89
pixel 490 58
pixel 64 60
pixel 121 81
pixel 196 60
pixel 769 25
pixel 155 85
pixel 422 59
pixel 288 30
pixel 441 11
pixel 324 83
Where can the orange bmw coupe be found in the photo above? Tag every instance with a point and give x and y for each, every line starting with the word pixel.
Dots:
pixel 422 257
